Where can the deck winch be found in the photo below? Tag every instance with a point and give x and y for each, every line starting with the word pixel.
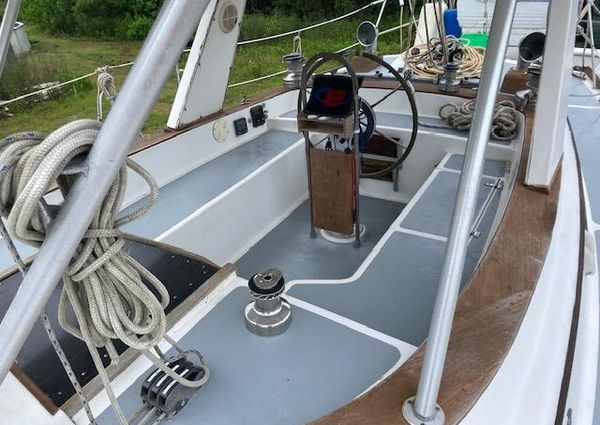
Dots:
pixel 269 314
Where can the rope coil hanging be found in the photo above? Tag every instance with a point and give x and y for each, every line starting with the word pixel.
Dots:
pixel 106 89
pixel 112 295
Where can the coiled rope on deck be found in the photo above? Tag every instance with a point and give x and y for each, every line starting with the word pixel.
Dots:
pixel 505 125
pixel 427 60
pixel 110 293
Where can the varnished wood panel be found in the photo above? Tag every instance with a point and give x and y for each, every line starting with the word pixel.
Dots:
pixel 332 186
pixel 35 391
pixel 514 81
pixel 362 64
pixel 375 166
pixel 489 313
pixel 420 86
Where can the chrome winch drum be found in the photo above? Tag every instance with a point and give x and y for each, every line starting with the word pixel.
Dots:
pixel 269 314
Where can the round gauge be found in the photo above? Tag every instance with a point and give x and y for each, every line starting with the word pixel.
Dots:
pixel 220 130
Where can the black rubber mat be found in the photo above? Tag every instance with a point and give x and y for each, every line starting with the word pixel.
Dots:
pixel 181 275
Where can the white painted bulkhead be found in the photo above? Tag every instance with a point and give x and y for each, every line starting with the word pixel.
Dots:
pixel 204 81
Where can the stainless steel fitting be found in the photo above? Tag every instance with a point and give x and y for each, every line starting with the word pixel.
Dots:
pixel 450 82
pixel 269 314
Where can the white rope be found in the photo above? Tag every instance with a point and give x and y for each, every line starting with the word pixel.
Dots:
pixel 111 294
pixel 106 89
pixel 255 80
pixel 427 60
pixel 505 125
pixel 106 288
pixel 38 92
pixel 66 83
pixel 123 65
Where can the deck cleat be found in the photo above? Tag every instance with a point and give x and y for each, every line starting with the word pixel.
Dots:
pixel 269 314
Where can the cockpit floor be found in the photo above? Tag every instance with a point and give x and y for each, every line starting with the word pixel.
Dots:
pixel 313 368
pixel 290 248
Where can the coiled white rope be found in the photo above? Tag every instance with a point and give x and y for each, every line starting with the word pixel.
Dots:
pixel 505 125
pixel 108 290
pixel 427 60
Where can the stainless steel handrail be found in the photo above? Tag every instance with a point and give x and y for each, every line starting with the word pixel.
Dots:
pixel 423 408
pixel 6 29
pixel 162 49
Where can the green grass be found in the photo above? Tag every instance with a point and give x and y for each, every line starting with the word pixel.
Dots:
pixel 81 56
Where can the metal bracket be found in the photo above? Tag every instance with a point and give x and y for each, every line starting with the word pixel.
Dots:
pixel 408 411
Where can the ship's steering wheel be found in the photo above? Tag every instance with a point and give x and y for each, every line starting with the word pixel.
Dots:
pixel 366 116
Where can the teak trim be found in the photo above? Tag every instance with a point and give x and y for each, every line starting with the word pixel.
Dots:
pixel 34 390
pixel 488 317
pixel 170 133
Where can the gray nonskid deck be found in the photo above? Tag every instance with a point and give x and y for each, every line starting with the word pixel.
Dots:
pixel 290 248
pixel 396 292
pixel 318 365
pixel 315 367
pixel 585 124
pixel 180 198
pixel 579 94
pixel 492 168
pixel 433 213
